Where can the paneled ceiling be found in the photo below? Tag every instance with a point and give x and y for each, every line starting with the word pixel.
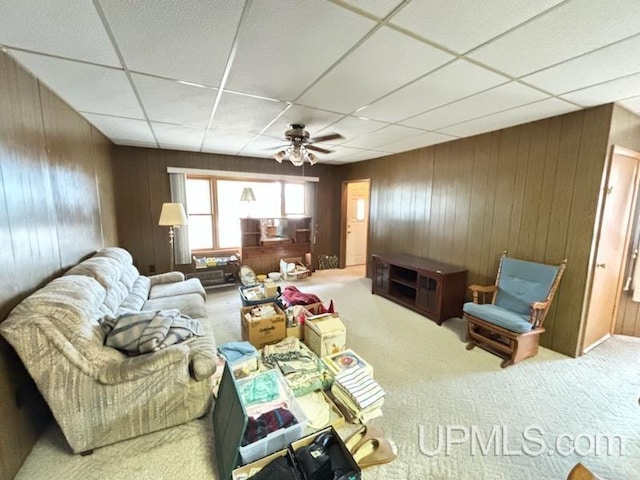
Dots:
pixel 229 76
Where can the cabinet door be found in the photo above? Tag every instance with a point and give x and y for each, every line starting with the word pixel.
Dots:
pixel 428 293
pixel 381 277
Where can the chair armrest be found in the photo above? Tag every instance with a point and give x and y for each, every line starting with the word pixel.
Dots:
pixel 484 290
pixel 168 277
pixel 538 312
pixel 141 366
pixel 539 305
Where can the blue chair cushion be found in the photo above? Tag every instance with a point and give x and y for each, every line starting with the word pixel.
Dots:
pixel 521 283
pixel 499 316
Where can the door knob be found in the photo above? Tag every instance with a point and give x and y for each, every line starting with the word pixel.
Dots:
pixel 601 265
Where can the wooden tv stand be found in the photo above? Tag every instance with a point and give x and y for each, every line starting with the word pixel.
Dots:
pixel 433 289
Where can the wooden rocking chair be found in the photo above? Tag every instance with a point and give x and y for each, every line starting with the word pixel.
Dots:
pixel 510 326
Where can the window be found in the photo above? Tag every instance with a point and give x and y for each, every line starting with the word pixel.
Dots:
pixel 215 208
pixel 200 213
pixel 294 199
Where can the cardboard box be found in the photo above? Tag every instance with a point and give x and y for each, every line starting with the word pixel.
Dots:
pixel 263 330
pixel 249 470
pixel 325 334
pixel 297 331
pixel 353 473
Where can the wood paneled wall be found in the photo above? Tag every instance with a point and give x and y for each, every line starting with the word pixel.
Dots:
pixel 625 131
pixel 56 207
pixel 142 186
pixel 531 190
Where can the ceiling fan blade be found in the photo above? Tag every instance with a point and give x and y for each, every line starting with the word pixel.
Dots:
pixel 278 147
pixel 326 138
pixel 317 149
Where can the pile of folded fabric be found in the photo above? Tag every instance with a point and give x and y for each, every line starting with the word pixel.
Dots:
pixel 241 356
pixel 267 405
pixel 359 395
pixel 302 369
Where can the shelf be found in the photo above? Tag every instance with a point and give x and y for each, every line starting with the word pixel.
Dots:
pixel 408 283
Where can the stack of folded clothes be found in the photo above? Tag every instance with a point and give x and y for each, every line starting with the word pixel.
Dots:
pixel 267 406
pixel 302 369
pixel 359 395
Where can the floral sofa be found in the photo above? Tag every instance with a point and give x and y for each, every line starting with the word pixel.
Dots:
pixel 97 394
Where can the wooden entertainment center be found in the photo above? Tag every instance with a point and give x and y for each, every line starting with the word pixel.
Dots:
pixel 267 240
pixel 433 289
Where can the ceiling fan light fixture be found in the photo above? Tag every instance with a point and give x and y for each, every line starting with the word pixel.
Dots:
pixel 312 159
pixel 280 156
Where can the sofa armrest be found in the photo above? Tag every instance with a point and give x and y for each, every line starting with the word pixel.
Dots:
pixel 141 366
pixel 168 277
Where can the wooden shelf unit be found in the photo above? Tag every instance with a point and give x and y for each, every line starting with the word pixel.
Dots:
pixel 262 253
pixel 433 289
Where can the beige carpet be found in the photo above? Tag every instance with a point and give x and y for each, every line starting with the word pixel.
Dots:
pixel 432 384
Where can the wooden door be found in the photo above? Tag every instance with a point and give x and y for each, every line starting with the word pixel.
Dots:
pixel 613 242
pixel 357 222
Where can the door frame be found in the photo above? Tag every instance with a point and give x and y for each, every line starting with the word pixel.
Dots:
pixel 344 220
pixel 595 244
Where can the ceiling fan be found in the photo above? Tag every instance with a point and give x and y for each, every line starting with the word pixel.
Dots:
pixel 298 150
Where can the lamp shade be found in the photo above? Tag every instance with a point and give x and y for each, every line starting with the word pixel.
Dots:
pixel 247 195
pixel 172 214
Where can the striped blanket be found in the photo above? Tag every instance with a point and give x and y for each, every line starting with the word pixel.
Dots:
pixel 147 331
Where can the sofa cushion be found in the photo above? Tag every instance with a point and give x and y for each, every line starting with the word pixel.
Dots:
pixel 191 304
pixel 118 254
pixel 191 285
pixel 499 316
pixel 105 270
pixel 67 307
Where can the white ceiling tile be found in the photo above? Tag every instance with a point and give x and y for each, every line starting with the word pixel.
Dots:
pixel 600 66
pixel 632 104
pixel 87 88
pixel 67 28
pixel 379 8
pixel 314 120
pixel 528 113
pixel 284 45
pixel 456 80
pixel 178 137
pixel 376 140
pixel 225 142
pixel 350 128
pixel 123 131
pixel 262 146
pixel 181 40
pixel 242 114
pixel 465 24
pixel 574 28
pixel 606 92
pixel 491 101
pixel 174 102
pixel 418 141
pixel 385 61
pixel 362 155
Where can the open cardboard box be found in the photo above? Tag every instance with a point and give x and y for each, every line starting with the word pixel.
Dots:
pixel 347 459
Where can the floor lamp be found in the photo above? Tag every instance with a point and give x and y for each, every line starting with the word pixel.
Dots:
pixel 172 216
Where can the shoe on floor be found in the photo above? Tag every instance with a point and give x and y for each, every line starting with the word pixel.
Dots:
pixel 364 433
pixel 375 451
